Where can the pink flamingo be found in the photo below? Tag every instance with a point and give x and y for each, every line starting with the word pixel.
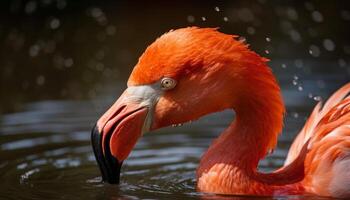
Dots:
pixel 191 72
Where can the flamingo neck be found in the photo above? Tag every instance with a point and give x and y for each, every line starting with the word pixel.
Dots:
pixel 259 119
pixel 245 142
pixel 230 164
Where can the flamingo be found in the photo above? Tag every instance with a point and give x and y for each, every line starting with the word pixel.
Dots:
pixel 190 72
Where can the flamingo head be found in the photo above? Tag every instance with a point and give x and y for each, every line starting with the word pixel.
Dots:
pixel 183 75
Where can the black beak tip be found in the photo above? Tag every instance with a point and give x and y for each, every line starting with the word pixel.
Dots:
pixel 108 164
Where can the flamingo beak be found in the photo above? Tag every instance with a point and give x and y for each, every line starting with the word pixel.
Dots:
pixel 118 130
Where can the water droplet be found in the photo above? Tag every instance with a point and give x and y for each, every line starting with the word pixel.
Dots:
pixel 295 82
pixel 34 50
pixel 225 19
pixel 300 88
pixel 314 50
pixel 328 44
pixel 30 7
pixel 317 98
pixel 40 80
pixel 317 16
pixel 190 19
pixel 24 177
pixel 217 9
pixel 242 39
pixel 96 12
pixel 204 19
pixel 68 62
pixel 55 23
pixel 295 35
pixel 22 166
pixel 310 95
pixel 295 115
pixel 292 14
pixel 251 30
pixel 341 62
pixel 345 14
pixel 284 66
pixel 268 39
pixel 267 51
pixel 99 16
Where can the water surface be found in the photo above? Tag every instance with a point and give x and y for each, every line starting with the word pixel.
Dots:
pixel 46 153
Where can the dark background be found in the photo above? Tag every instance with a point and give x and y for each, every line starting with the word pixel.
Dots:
pixel 60 49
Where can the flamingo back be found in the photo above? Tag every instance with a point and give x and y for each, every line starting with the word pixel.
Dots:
pixel 328 159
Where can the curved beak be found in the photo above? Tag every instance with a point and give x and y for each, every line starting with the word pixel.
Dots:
pixel 117 131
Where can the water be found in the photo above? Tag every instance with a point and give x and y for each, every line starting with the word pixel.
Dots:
pixel 46 153
pixel 50 156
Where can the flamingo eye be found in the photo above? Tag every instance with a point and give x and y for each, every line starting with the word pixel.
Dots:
pixel 167 83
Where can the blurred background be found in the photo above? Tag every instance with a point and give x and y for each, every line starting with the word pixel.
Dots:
pixel 59 49
pixel 62 63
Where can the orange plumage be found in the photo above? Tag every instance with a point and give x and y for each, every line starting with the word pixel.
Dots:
pixel 214 72
pixel 247 86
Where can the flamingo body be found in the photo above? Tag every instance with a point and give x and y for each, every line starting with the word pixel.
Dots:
pixel 191 72
pixel 327 162
pixel 319 159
